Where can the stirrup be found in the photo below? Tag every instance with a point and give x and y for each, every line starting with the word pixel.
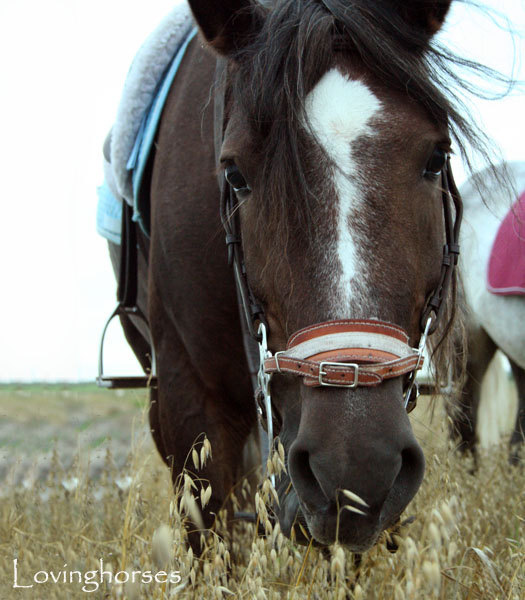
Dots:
pixel 126 381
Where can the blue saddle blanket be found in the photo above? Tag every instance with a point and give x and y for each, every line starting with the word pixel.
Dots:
pixel 126 175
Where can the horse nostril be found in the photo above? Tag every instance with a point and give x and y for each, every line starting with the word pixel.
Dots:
pixel 408 479
pixel 411 458
pixel 412 462
pixel 304 480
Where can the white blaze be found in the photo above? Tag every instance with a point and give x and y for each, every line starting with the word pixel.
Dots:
pixel 339 111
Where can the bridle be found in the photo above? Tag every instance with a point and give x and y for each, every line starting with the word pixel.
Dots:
pixel 346 353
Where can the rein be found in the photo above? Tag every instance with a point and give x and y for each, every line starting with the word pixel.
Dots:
pixel 344 353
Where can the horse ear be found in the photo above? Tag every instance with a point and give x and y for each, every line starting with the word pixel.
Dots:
pixel 227 24
pixel 427 15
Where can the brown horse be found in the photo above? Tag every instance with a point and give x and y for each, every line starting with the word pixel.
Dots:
pixel 335 134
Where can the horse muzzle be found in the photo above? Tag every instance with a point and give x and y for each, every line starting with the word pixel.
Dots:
pixel 354 434
pixel 355 469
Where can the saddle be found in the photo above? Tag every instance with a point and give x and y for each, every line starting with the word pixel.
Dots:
pixel 129 147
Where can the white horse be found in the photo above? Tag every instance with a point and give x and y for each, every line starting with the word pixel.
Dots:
pixel 493 321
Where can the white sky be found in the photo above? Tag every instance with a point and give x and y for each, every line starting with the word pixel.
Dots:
pixel 62 65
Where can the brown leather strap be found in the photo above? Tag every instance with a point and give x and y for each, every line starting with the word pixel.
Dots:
pixel 343 374
pixel 372 351
pixel 436 301
pixel 348 325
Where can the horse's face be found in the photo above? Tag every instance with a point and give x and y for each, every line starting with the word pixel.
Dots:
pixel 373 251
pixel 366 243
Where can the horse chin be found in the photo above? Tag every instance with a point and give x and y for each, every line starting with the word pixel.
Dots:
pixel 322 526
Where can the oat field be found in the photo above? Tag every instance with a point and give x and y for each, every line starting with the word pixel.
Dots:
pixel 86 510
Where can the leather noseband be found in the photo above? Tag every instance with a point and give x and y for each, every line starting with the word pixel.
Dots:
pixel 346 353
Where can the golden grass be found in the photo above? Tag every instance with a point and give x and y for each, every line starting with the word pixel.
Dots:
pixel 466 541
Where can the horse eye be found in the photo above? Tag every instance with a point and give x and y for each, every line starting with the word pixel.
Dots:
pixel 436 163
pixel 236 179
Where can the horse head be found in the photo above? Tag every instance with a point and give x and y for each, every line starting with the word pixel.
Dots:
pixel 335 140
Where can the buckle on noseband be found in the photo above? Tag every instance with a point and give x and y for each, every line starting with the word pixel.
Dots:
pixel 354 366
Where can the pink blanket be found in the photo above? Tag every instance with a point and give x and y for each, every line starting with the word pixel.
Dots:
pixel 506 268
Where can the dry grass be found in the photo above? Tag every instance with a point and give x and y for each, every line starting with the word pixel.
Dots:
pixel 466 542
